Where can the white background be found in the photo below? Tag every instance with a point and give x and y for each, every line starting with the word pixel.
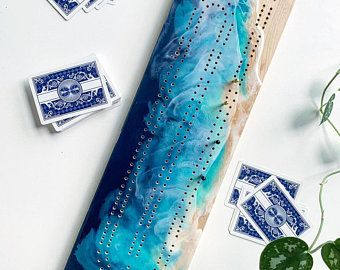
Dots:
pixel 47 180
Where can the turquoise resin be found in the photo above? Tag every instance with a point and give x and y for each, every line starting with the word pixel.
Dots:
pixel 172 146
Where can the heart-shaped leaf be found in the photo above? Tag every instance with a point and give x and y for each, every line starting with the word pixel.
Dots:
pixel 329 107
pixel 331 254
pixel 286 253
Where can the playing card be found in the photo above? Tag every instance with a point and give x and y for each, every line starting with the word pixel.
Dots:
pixel 271 210
pixel 115 100
pixel 91 4
pixel 67 8
pixel 249 177
pixel 112 89
pixel 241 227
pixel 110 2
pixel 100 5
pixel 75 90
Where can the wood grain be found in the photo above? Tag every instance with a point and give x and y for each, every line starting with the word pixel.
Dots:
pixel 248 54
pixel 274 15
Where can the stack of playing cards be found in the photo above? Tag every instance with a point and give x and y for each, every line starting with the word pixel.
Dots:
pixel 67 8
pixel 264 206
pixel 67 95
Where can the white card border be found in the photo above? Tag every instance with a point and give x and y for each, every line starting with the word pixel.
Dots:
pixel 87 10
pixel 240 235
pixel 76 113
pixel 80 118
pixel 285 193
pixel 62 13
pixel 235 179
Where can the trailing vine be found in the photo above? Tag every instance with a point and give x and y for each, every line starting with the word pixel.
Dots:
pixel 291 252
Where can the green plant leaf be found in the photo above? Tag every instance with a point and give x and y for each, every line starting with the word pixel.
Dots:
pixel 332 97
pixel 329 107
pixel 331 254
pixel 286 253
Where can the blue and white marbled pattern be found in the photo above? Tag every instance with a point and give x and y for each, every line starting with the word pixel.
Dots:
pixel 167 159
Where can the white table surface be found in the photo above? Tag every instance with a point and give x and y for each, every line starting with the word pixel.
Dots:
pixel 47 180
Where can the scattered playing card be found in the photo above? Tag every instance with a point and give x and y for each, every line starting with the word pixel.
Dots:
pixel 246 179
pixel 67 92
pixel 272 212
pixel 249 177
pixel 241 227
pixel 68 95
pixel 67 8
pixel 91 4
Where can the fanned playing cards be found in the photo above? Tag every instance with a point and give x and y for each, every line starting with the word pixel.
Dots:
pixel 264 206
pixel 68 8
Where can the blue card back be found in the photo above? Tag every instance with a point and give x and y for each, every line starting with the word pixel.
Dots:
pixel 273 212
pixel 69 92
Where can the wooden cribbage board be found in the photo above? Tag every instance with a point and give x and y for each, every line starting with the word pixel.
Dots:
pixel 189 112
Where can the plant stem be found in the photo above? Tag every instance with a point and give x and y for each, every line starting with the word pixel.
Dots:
pixel 320 246
pixel 324 181
pixel 333 126
pixel 322 100
pixel 327 86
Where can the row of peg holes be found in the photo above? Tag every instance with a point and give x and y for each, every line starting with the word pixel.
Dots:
pixel 171 229
pixel 235 76
pixel 117 200
pixel 143 137
pixel 177 54
pixel 264 17
pixel 256 38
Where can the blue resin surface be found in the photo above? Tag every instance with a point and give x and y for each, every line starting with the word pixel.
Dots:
pixel 172 146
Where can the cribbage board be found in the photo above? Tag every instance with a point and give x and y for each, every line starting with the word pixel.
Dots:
pixel 166 168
